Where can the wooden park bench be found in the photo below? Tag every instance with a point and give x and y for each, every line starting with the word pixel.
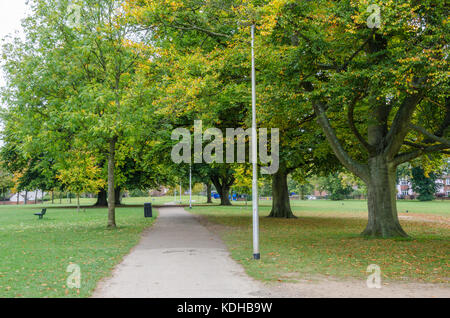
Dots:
pixel 41 214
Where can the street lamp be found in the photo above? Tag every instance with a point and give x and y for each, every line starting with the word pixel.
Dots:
pixel 256 254
pixel 190 187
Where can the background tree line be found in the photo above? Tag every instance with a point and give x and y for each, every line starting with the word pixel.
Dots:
pixel 92 106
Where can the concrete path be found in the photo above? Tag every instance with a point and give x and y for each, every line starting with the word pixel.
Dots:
pixel 178 257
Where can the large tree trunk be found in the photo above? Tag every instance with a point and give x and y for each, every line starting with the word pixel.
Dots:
pixel 381 180
pixel 111 192
pixel 224 192
pixel 223 186
pixel 386 133
pixel 281 207
pixel 102 195
pixel 102 198
pixel 379 173
pixel 118 195
pixel 208 192
pixel 383 219
pixel 224 195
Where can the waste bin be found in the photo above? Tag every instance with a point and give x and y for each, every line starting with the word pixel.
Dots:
pixel 148 210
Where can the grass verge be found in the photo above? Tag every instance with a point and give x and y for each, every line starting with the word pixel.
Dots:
pixel 324 240
pixel 35 254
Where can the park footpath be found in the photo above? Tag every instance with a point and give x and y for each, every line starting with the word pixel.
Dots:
pixel 180 258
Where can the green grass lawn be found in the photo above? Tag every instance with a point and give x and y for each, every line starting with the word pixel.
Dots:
pixel 324 240
pixel 359 206
pixel 34 254
pixel 196 199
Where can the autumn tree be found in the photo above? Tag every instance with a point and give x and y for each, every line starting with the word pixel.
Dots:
pixel 189 36
pixel 389 80
pixel 335 186
pixel 6 183
pixel 424 184
pixel 70 83
pixel 81 174
pixel 303 149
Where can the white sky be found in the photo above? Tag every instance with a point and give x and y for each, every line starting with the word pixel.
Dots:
pixel 11 14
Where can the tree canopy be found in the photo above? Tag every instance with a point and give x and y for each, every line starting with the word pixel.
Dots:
pixel 103 88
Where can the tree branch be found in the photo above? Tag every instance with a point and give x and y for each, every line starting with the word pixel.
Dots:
pixel 352 125
pixel 431 136
pixel 192 27
pixel 408 156
pixel 344 66
pixel 346 63
pixel 446 122
pixel 399 128
pixel 307 119
pixel 357 168
pixel 412 144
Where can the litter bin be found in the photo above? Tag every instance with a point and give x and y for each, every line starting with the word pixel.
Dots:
pixel 148 210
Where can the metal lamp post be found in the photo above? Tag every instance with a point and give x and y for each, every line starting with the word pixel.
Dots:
pixel 256 254
pixel 190 187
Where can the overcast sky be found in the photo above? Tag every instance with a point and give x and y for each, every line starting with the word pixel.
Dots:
pixel 11 13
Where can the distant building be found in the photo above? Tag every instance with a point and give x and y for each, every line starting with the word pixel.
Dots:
pixel 159 192
pixel 405 191
pixel 320 194
pixel 404 188
pixel 31 196
pixel 444 186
